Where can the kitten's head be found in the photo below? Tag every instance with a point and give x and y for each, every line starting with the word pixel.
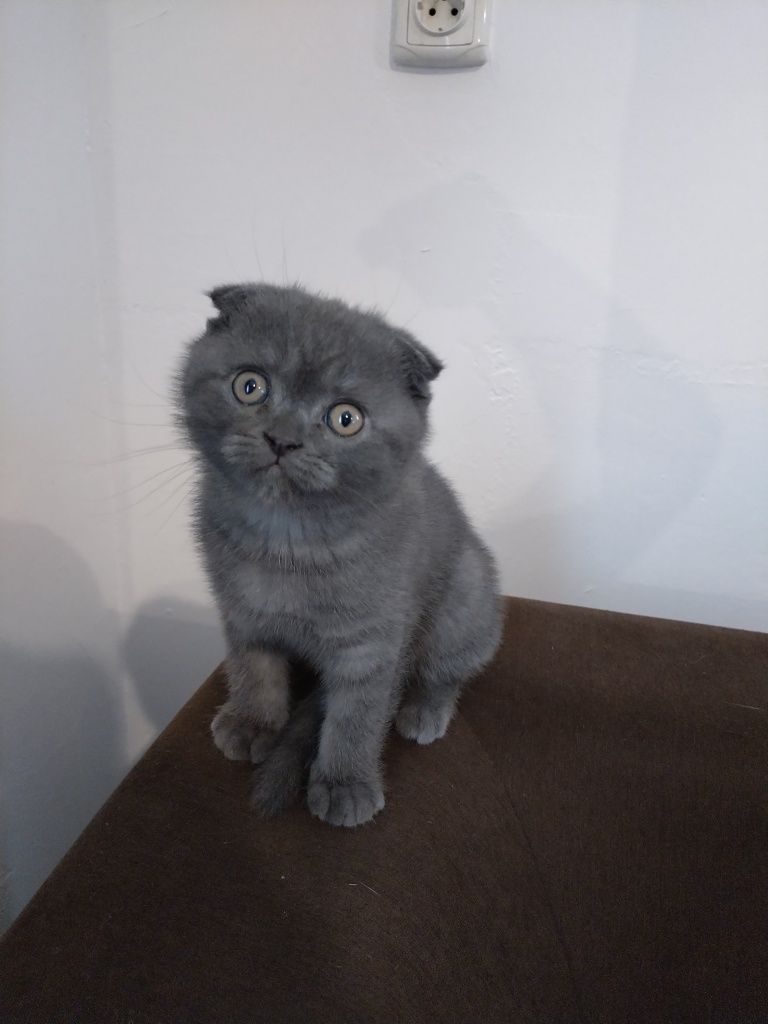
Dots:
pixel 289 394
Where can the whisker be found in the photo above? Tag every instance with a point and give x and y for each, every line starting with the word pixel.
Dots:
pixel 149 479
pixel 145 497
pixel 136 453
pixel 147 405
pixel 287 301
pixel 246 442
pixel 411 318
pixel 134 423
pixel 185 482
pixel 396 296
pixel 176 507
pixel 285 257
pixel 253 243
pixel 363 497
pixel 147 386
pixel 124 423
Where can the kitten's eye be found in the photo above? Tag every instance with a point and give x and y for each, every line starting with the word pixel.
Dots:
pixel 345 419
pixel 250 387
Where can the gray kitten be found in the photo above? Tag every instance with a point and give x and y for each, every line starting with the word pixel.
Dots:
pixel 329 540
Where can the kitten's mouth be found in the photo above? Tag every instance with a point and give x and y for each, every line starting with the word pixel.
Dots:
pixel 285 473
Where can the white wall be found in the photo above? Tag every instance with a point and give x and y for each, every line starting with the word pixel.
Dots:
pixel 579 229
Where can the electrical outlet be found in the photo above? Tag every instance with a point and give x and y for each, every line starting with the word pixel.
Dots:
pixel 440 33
pixel 437 16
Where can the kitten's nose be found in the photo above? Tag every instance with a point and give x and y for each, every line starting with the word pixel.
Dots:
pixel 280 447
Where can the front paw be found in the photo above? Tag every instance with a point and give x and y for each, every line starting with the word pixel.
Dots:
pixel 344 803
pixel 240 739
pixel 423 723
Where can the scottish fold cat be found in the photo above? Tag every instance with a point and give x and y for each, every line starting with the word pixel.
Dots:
pixel 329 541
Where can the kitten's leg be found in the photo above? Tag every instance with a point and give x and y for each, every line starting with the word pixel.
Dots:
pixel 464 634
pixel 245 727
pixel 428 709
pixel 345 785
pixel 279 780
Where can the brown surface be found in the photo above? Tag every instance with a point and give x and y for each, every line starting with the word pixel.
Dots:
pixel 588 844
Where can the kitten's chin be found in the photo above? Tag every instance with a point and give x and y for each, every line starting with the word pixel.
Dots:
pixel 279 482
pixel 272 485
pixel 309 475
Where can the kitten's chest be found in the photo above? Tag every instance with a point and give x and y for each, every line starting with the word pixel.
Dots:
pixel 317 593
pixel 270 590
pixel 287 598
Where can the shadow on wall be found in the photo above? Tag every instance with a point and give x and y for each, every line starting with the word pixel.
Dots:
pixel 169 649
pixel 61 748
pixel 606 493
pixel 62 744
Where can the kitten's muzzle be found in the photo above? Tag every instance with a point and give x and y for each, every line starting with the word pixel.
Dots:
pixel 279 446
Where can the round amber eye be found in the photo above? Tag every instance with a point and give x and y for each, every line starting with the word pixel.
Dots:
pixel 250 387
pixel 345 419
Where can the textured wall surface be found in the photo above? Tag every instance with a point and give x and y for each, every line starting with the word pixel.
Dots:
pixel 579 229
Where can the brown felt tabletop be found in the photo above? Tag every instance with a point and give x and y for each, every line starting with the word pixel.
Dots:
pixel 589 843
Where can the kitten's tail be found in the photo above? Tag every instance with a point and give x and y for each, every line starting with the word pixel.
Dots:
pixel 281 777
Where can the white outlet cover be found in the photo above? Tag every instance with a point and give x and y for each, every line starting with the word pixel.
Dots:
pixel 440 33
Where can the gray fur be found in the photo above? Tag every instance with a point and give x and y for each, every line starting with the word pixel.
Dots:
pixel 352 554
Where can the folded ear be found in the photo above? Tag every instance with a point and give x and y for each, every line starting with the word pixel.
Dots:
pixel 229 299
pixel 419 365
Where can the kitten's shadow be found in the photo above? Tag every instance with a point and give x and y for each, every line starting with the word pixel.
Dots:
pixel 655 434
pixel 62 751
pixel 170 648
